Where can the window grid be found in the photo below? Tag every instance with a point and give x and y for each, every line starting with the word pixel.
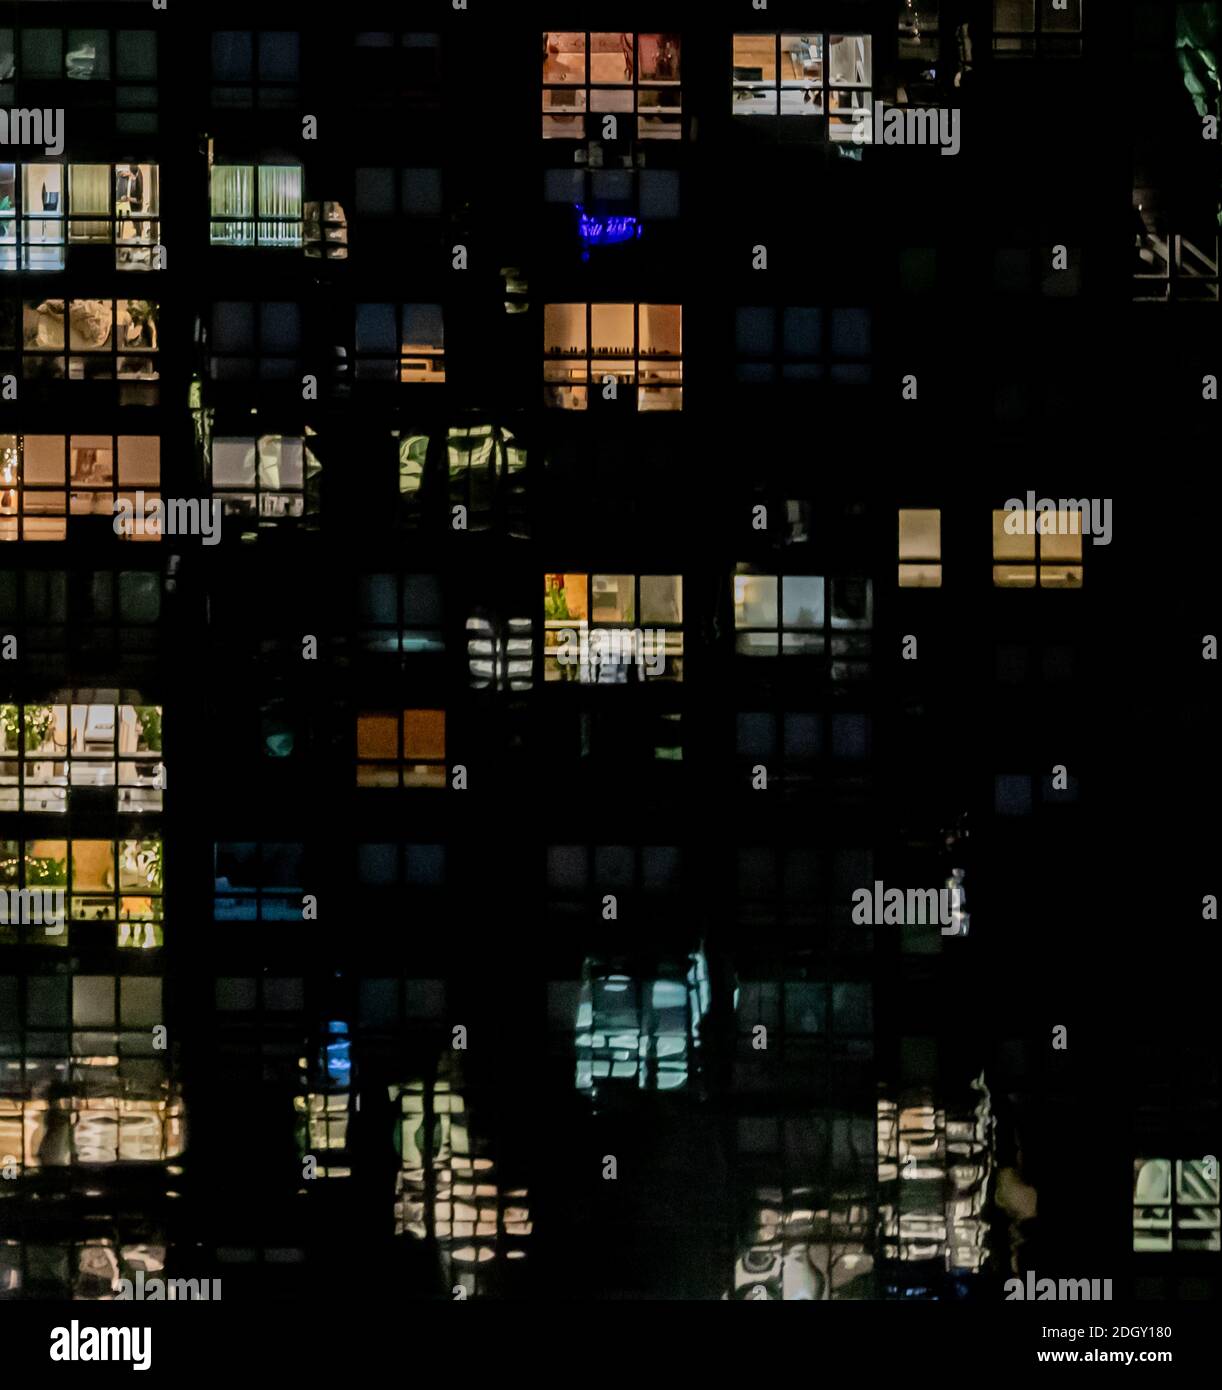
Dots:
pixel 257 204
pixel 813 1208
pixel 255 340
pixel 448 1188
pixel 1044 547
pixel 86 739
pixel 413 192
pixel 650 194
pixel 803 343
pixel 115 881
pixel 110 611
pixel 406 750
pixel 920 548
pixel 400 342
pixel 591 350
pixel 1181 268
pixel 588 77
pixel 264 477
pixel 643 1033
pixel 400 614
pixel 103 339
pixel 1175 1205
pixel 1034 28
pixel 102 204
pixel 805 615
pixel 255 68
pixel 813 75
pixel 47 478
pixel 257 881
pixel 586 873
pixel 609 629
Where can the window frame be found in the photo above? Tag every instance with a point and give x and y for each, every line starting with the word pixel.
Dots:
pixel 647 124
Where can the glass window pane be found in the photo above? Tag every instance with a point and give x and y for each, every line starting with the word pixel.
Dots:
pixel 755 331
pixel 755 600
pixel 136 54
pixel 279 56
pixel 232 55
pixel 422 192
pixel 42 53
pixel 802 601
pixel 88 56
pixel 920 535
pixel 661 598
pixel 375 328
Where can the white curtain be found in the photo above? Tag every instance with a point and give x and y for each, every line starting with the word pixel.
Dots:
pixel 280 197
pixel 233 196
pixel 89 192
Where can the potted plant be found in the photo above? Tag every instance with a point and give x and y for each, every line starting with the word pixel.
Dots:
pixel 149 719
pixel 39 724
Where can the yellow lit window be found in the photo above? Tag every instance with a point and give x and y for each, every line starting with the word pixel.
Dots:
pixel 1030 547
pixel 920 549
pixel 406 750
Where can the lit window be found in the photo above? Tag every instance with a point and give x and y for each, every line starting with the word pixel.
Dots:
pixel 594 82
pixel 264 478
pixel 609 629
pixel 47 478
pixel 805 615
pixel 920 549
pixel 103 204
pixel 257 204
pixel 813 75
pixel 86 883
pixel 1175 1205
pixel 1037 28
pixel 405 750
pixel 105 339
pixel 129 221
pixel 1044 545
pixel 592 351
pixel 48 750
